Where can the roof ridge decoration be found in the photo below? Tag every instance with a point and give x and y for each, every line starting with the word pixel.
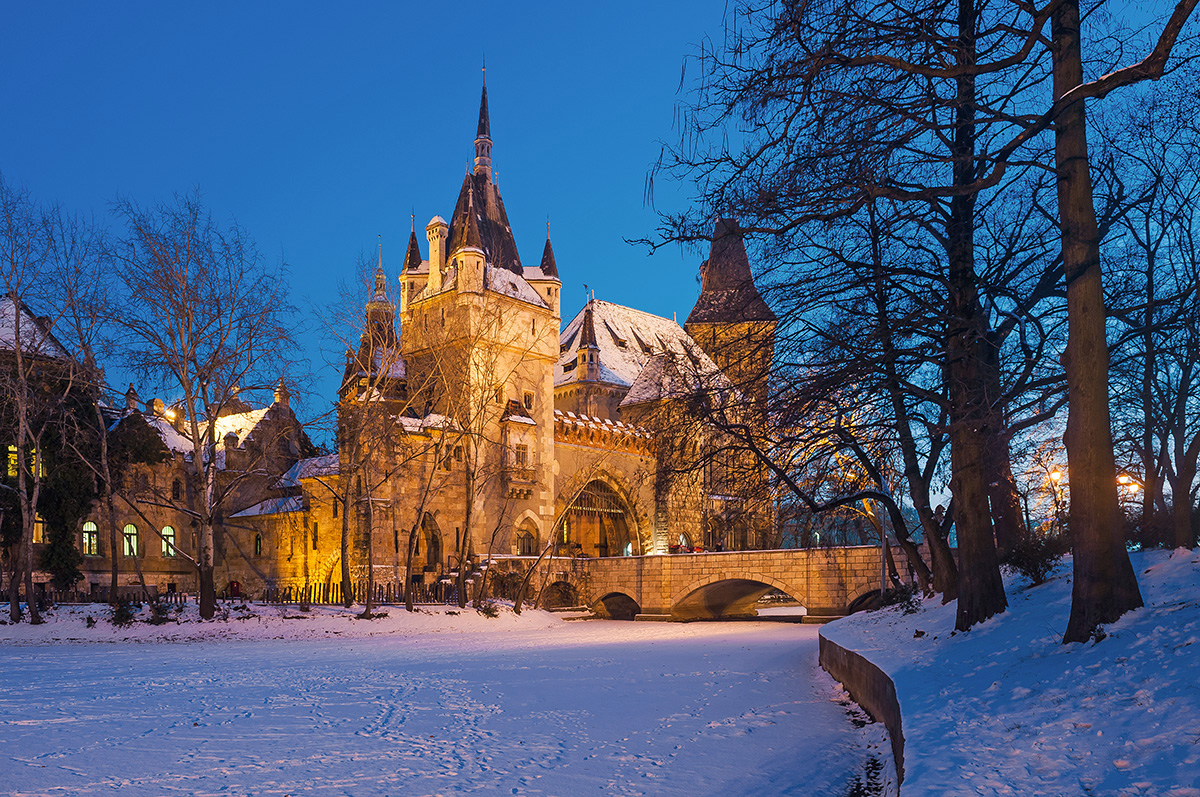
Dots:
pixel 728 293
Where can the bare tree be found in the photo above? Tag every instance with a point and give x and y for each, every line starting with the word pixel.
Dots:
pixel 203 316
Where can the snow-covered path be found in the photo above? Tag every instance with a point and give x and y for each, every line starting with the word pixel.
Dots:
pixel 569 708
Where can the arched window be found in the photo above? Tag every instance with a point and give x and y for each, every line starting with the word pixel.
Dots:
pixel 168 540
pixel 258 545
pixel 91 539
pixel 176 490
pixel 130 536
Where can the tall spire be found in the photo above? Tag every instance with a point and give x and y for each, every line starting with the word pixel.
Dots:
pixel 380 294
pixel 483 135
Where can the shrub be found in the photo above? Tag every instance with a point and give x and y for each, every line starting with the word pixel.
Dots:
pixel 489 609
pixel 1036 557
pixel 159 613
pixel 125 613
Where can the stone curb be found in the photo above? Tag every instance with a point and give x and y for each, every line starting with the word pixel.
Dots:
pixel 871 688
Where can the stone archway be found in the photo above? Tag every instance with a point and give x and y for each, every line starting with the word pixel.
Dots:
pixel 715 597
pixel 598 522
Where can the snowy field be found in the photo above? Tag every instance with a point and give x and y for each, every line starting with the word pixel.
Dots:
pixel 421 705
pixel 1006 709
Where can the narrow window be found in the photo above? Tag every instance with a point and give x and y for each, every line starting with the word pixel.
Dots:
pixel 130 536
pixel 314 535
pixel 168 540
pixel 500 394
pixel 335 507
pixel 12 461
pixel 91 539
pixel 528 400
pixel 458 454
pixel 39 529
pixel 258 545
pixel 176 490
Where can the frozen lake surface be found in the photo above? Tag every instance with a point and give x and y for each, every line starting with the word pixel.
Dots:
pixel 459 705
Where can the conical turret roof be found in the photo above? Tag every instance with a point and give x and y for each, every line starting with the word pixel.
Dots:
pixel 412 257
pixel 549 267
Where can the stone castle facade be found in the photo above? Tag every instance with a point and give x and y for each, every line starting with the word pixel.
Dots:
pixel 473 425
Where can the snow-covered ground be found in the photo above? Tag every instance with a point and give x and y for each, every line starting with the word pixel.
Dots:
pixel 1007 709
pixel 435 703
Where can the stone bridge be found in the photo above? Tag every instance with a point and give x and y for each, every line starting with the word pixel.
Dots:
pixel 710 585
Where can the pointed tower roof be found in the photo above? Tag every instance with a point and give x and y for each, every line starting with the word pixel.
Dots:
pixel 412 257
pixel 728 294
pixel 499 247
pixel 549 267
pixel 587 338
pixel 465 232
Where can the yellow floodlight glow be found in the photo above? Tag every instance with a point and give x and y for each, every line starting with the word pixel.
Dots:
pixel 1056 475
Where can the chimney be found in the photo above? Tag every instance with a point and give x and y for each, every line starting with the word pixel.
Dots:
pixel 131 399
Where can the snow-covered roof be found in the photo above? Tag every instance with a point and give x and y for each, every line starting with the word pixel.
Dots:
pixel 501 280
pixel 36 337
pixel 672 375
pixel 627 340
pixel 272 506
pixel 172 438
pixel 310 468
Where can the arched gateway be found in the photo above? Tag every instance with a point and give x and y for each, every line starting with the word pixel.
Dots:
pixel 597 523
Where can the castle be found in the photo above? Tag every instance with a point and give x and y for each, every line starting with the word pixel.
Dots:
pixel 473 426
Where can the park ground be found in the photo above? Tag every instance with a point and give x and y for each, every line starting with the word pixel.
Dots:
pixel 279 702
pixel 1007 709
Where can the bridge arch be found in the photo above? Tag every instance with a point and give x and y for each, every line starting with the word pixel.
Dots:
pixel 616 606
pixel 716 596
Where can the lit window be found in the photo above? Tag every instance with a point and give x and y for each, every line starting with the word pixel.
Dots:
pixel 12 461
pixel 258 545
pixel 168 540
pixel 130 535
pixel 91 539
pixel 39 529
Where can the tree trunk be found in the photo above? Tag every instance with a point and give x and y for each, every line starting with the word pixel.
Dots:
pixel 347 589
pixel 369 598
pixel 14 585
pixel 1104 585
pixel 1005 502
pixel 1185 536
pixel 208 587
pixel 972 417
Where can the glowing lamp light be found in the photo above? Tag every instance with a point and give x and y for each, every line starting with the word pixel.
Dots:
pixel 1056 475
pixel 1123 478
pixel 1133 487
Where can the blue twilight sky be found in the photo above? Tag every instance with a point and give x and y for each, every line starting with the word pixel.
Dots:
pixel 320 127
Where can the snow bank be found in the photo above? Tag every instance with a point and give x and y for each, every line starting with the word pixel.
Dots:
pixel 255 621
pixel 1007 709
